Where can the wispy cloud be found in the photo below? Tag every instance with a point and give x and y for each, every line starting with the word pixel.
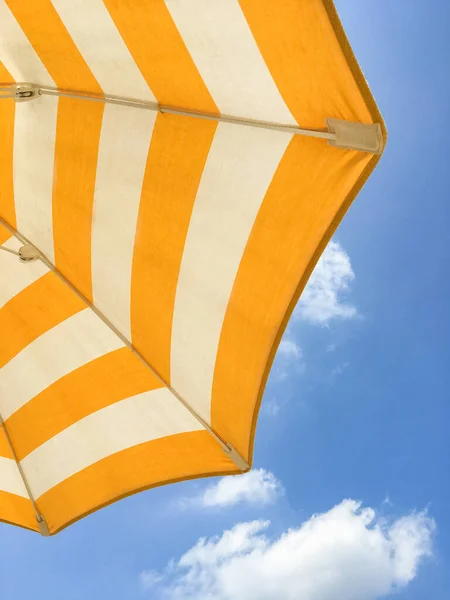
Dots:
pixel 289 360
pixel 340 369
pixel 255 487
pixel 344 553
pixel 322 301
pixel 149 579
pixel 272 406
pixel 289 350
pixel 323 298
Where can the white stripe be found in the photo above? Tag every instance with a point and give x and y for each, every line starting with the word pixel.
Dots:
pixel 239 169
pixel 16 52
pixel 16 275
pixel 222 46
pixel 122 425
pixel 64 348
pixel 34 149
pixel 10 479
pixel 97 38
pixel 123 150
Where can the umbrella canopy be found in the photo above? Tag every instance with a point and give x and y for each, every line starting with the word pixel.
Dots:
pixel 170 172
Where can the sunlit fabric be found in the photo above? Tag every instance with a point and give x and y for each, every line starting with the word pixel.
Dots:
pixel 192 238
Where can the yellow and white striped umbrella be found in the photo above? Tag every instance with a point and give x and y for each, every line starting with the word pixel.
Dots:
pixel 175 168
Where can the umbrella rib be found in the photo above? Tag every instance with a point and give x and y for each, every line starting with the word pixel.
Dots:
pixel 171 110
pixel 10 250
pixel 39 518
pixel 22 92
pixel 239 461
pixel 365 137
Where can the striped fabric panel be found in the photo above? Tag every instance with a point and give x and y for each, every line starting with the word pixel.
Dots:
pixel 5 448
pixel 304 206
pixel 77 137
pixel 300 47
pixel 92 386
pixel 124 424
pixel 284 63
pixel 34 137
pixel 240 166
pixel 149 464
pixel 122 156
pixel 48 36
pixel 17 54
pixel 5 234
pixel 221 44
pixel 75 134
pixel 87 400
pixel 161 54
pixel 35 310
pixel 191 237
pixel 103 48
pixel 178 153
pixel 16 276
pixel 74 342
pixel 10 478
pixel 85 403
pixel 17 510
pixel 34 166
pixel 15 506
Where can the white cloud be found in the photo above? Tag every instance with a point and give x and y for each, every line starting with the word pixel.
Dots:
pixel 346 553
pixel 255 487
pixel 289 360
pixel 150 578
pixel 321 300
pixel 271 407
pixel 289 350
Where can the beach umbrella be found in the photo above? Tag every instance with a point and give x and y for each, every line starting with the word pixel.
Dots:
pixel 170 173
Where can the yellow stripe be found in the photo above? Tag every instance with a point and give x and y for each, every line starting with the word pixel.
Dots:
pixel 177 156
pixel 52 42
pixel 7 113
pixel 17 511
pixel 5 450
pixel 302 51
pixel 5 75
pixel 4 234
pixel 299 212
pixel 104 381
pixel 77 141
pixel 32 312
pixel 162 461
pixel 161 54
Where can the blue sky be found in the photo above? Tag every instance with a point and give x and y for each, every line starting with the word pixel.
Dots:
pixel 357 406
